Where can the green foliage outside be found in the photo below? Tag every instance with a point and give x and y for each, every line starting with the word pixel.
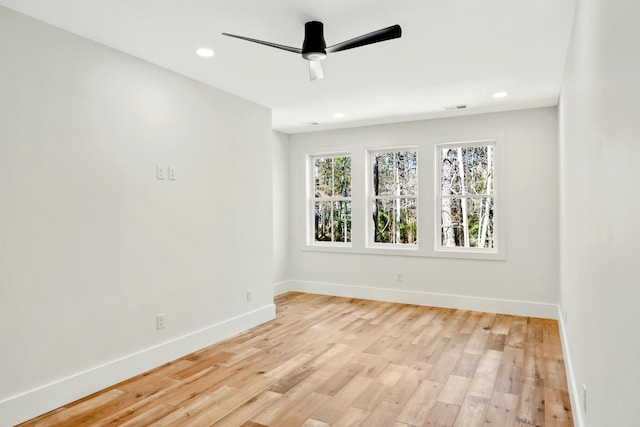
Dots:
pixel 395 190
pixel 332 199
pixel 467 196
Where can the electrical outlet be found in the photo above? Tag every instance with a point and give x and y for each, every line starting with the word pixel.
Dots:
pixel 172 173
pixel 161 172
pixel 249 295
pixel 160 321
pixel 399 277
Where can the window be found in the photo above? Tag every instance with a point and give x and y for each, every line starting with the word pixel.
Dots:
pixel 367 197
pixel 466 196
pixel 393 197
pixel 332 198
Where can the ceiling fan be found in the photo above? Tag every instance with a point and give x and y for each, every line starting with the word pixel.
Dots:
pixel 314 49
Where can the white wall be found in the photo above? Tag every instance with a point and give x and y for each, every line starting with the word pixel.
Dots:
pixel 92 246
pixel 280 207
pixel 529 275
pixel 600 155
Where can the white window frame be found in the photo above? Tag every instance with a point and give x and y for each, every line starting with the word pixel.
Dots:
pixel 370 237
pixel 428 204
pixel 496 252
pixel 311 241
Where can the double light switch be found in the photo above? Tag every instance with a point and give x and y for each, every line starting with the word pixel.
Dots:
pixel 164 172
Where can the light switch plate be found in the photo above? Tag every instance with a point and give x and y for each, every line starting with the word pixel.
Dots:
pixel 160 172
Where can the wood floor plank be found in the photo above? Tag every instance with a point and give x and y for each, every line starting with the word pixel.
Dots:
pixel 379 389
pixel 454 390
pixel 248 409
pixel 513 356
pixel 332 409
pixel 299 413
pixel 281 406
pixel 383 415
pixel 484 379
pixel 416 410
pixel 184 414
pixel 315 423
pixel 444 361
pixel 517 333
pixel 401 392
pixel 472 412
pixel 371 397
pixel 531 405
pixel 353 417
pixel 502 410
pixel 508 379
pixel 554 376
pixel 141 406
pixel 200 363
pixel 341 378
pixel 333 361
pixel 557 408
pixel 81 409
pixel 496 341
pixel 480 335
pixel 148 417
pixel 533 364
pixel 551 339
pixel 373 364
pixel 466 365
pixel 442 415
pixel 229 403
pixel 471 322
pixel 502 324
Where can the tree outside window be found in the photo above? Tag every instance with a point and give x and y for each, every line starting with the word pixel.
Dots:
pixel 332 198
pixel 467 195
pixel 394 192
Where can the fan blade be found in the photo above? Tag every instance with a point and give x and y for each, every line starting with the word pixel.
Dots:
pixel 315 70
pixel 277 46
pixel 392 32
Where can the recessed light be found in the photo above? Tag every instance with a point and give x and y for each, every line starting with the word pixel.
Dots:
pixel 455 107
pixel 205 52
pixel 500 94
pixel 338 115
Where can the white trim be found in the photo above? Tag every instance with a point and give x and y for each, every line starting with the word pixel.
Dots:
pixel 33 403
pixel 282 288
pixel 576 402
pixel 463 302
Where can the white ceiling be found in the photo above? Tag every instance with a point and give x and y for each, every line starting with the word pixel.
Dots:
pixel 451 52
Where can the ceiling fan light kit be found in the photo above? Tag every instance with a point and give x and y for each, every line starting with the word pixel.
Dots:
pixel 314 49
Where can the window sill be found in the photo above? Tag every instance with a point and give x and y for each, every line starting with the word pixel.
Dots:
pixel 412 251
pixel 466 253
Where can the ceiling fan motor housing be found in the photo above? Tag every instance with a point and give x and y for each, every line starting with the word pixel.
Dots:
pixel 314 46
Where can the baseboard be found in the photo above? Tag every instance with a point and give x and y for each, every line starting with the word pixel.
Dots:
pixel 574 394
pixel 35 402
pixel 463 302
pixel 282 288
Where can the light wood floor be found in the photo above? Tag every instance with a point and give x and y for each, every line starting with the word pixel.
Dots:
pixel 329 361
